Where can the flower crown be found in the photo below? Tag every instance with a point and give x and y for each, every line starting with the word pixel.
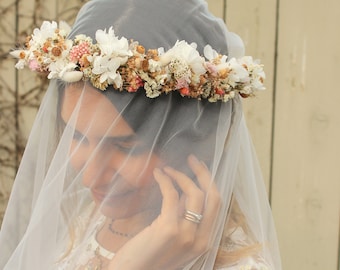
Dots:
pixel 128 66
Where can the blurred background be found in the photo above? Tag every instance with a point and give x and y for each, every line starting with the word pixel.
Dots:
pixel 295 123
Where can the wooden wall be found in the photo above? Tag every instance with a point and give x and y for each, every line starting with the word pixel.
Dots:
pixel 295 124
pixel 21 92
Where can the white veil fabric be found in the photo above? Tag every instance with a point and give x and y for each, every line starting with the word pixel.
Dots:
pixel 107 176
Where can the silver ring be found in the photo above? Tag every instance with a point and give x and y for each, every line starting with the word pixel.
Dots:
pixel 192 216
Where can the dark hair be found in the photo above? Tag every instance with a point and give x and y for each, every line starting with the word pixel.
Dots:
pixel 161 25
pixel 171 121
pixel 168 122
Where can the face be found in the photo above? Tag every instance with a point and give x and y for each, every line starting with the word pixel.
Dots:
pixel 115 165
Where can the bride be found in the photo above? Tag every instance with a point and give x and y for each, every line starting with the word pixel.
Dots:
pixel 139 157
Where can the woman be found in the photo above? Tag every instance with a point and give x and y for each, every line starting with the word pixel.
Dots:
pixel 139 157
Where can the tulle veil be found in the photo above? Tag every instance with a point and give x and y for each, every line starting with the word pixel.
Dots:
pixel 51 218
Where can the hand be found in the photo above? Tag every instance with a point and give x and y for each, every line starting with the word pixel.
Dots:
pixel 172 241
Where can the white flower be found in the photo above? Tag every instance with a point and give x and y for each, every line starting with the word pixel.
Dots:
pixel 257 83
pixel 106 67
pixel 64 28
pixel 151 90
pixel 20 64
pixel 238 73
pixel 59 67
pixel 47 30
pixel 68 46
pixel 162 78
pixel 111 46
pixel 154 66
pixel 256 72
pixel 17 53
pixel 160 51
pixel 185 53
pixel 209 53
pixel 180 69
pixel 22 56
pixel 212 55
pixel 72 76
pixel 82 37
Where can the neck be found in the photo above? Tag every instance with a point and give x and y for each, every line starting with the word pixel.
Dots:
pixel 121 230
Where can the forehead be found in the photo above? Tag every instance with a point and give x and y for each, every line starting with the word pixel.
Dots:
pixel 89 111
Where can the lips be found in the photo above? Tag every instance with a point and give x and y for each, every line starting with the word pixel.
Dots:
pixel 109 197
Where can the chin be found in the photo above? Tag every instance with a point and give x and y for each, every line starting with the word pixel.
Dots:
pixel 120 211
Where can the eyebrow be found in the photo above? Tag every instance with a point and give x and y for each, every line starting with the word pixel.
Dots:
pixel 109 139
pixel 123 138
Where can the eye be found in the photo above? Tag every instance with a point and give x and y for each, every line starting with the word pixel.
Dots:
pixel 129 147
pixel 77 136
pixel 124 146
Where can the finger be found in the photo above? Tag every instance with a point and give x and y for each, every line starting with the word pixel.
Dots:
pixel 194 196
pixel 169 193
pixel 206 183
pixel 212 198
pixel 185 183
pixel 202 173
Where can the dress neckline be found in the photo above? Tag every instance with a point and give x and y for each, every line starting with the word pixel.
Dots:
pixel 98 248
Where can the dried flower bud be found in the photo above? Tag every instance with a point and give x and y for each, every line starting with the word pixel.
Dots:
pixel 22 55
pixel 244 95
pixel 152 53
pixel 145 65
pixel 203 80
pixel 56 51
pixel 140 49
pixel 224 73
pixel 84 62
pixel 137 62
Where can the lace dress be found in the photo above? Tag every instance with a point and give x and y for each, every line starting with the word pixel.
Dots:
pixel 89 254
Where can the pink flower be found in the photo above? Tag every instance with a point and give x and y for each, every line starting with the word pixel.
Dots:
pixel 78 51
pixel 33 65
pixel 211 68
pixel 139 82
pixel 182 83
pixel 135 85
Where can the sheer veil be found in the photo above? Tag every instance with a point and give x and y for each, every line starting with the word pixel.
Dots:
pixel 52 220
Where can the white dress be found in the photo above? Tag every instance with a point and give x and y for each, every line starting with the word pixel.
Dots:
pixel 84 251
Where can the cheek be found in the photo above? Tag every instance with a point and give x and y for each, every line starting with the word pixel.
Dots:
pixel 138 171
pixel 77 156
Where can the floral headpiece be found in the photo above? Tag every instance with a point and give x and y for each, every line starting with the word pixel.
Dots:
pixel 128 66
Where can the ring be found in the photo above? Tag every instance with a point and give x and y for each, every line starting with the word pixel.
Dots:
pixel 192 216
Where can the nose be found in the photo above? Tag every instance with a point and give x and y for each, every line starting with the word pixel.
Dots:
pixel 94 166
pixel 93 173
